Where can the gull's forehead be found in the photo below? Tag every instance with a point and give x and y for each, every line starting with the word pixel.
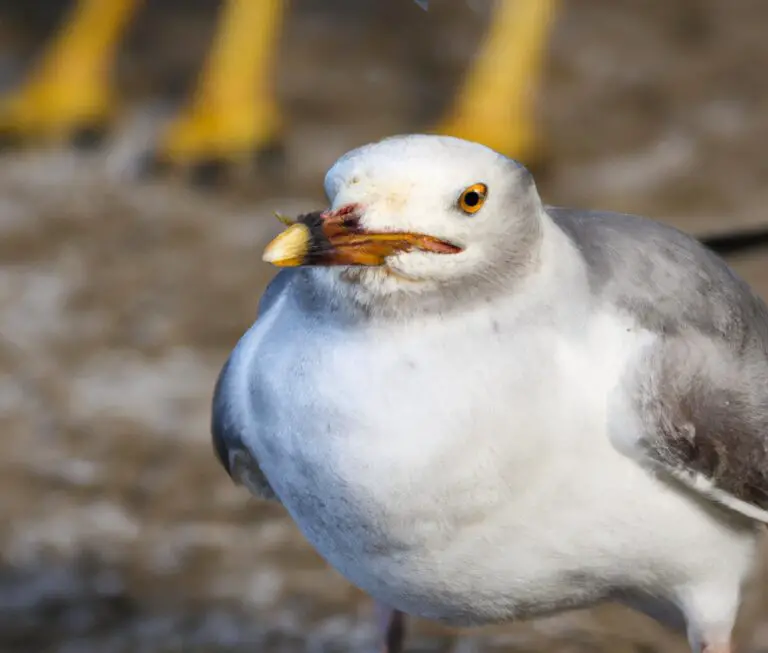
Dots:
pixel 405 162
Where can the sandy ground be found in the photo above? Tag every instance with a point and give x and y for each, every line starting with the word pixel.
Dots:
pixel 120 299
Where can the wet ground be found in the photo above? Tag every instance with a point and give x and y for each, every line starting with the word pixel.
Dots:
pixel 120 299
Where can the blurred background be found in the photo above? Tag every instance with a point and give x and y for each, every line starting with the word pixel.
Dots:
pixel 145 147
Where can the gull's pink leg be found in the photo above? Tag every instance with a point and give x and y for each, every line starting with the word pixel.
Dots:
pixel 391 627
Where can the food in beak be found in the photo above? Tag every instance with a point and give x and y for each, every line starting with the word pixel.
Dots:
pixel 336 238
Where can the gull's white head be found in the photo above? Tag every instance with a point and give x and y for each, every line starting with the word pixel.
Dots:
pixel 415 215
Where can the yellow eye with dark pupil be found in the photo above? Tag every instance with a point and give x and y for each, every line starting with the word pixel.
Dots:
pixel 473 198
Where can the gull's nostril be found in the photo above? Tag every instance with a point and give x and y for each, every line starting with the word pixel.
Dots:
pixel 351 223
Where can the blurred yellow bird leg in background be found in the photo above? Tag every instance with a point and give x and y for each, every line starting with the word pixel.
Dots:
pixel 233 113
pixel 68 94
pixel 496 103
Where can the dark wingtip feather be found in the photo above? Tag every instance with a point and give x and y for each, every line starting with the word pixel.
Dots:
pixel 735 242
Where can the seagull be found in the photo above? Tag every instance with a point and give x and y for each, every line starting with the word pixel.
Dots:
pixel 479 408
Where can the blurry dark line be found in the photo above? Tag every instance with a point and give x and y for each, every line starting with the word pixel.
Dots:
pixel 736 242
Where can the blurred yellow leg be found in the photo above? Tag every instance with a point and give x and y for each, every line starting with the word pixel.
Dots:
pixel 495 105
pixel 70 89
pixel 234 111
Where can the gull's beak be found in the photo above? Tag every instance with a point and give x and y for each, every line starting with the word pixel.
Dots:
pixel 336 238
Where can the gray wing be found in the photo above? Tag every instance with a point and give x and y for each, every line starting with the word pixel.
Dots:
pixel 702 393
pixel 226 425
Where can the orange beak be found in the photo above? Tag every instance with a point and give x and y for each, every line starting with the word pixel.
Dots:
pixel 336 238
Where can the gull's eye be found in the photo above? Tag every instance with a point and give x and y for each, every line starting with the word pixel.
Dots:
pixel 473 198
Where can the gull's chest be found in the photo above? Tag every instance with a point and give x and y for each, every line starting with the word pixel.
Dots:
pixel 411 394
pixel 397 398
pixel 389 447
pixel 371 435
